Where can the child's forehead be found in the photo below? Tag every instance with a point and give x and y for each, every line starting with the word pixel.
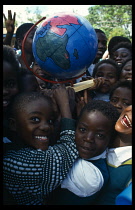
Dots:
pixel 107 68
pixel 122 49
pixel 123 91
pixel 35 105
pixel 128 63
pixel 93 112
pixel 108 65
pixel 95 117
pixel 41 101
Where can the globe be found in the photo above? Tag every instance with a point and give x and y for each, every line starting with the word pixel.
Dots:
pixel 65 45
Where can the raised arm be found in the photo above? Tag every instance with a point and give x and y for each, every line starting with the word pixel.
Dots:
pixel 60 94
pixel 10 26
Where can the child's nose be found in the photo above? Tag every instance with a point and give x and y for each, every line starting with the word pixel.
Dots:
pixel 118 104
pixel 118 58
pixel 44 127
pixel 89 137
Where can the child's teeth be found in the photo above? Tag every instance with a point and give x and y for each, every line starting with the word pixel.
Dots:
pixel 41 137
pixel 128 120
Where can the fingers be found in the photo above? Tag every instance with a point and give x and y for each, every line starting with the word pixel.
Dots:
pixel 86 78
pixel 9 15
pixel 85 96
pixel 98 81
pixel 4 17
pixel 58 85
pixel 14 16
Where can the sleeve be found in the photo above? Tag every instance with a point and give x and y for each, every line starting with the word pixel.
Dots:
pixel 39 172
pixel 84 179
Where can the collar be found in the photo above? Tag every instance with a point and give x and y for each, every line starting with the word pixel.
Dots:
pixel 116 156
pixel 103 155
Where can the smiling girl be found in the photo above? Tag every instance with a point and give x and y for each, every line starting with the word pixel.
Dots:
pixel 124 124
pixel 119 159
pixel 121 52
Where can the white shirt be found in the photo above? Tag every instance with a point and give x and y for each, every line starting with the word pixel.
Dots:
pixel 84 178
pixel 116 156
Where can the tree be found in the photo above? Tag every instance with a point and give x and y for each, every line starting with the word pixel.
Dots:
pixel 35 16
pixel 117 31
pixel 110 18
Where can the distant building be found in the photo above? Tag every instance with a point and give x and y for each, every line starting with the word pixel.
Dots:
pixel 13 38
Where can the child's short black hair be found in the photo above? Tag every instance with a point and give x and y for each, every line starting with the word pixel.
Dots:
pixel 99 31
pixel 22 29
pixel 104 107
pixel 9 56
pixel 116 40
pixel 126 45
pixel 24 98
pixel 108 61
pixel 125 83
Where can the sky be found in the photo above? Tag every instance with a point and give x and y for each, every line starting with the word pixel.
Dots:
pixel 45 9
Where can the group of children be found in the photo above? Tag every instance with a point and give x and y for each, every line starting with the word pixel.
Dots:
pixel 64 148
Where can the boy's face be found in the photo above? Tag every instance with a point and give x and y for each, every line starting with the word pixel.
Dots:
pixel 124 123
pixel 34 124
pixel 37 69
pixel 93 134
pixel 29 40
pixel 10 84
pixel 121 55
pixel 108 72
pixel 102 45
pixel 121 98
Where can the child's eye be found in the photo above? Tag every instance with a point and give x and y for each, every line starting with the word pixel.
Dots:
pixel 82 130
pixel 126 104
pixel 99 75
pixel 124 55
pixel 126 70
pixel 114 100
pixel 110 76
pixel 99 135
pixel 50 122
pixel 35 119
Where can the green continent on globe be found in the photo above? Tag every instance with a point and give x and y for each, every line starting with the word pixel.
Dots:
pixel 55 48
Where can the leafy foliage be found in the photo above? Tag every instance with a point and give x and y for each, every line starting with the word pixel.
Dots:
pixel 35 17
pixel 112 19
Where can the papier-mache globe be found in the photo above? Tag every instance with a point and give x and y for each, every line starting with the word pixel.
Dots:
pixel 65 45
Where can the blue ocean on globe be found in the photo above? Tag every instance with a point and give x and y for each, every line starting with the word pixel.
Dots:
pixel 65 45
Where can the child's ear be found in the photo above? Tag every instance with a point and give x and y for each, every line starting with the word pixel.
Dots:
pixel 19 42
pixel 12 124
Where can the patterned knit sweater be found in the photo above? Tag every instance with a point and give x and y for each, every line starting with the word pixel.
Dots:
pixel 30 174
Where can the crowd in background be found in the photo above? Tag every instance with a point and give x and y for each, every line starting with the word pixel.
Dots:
pixel 62 147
